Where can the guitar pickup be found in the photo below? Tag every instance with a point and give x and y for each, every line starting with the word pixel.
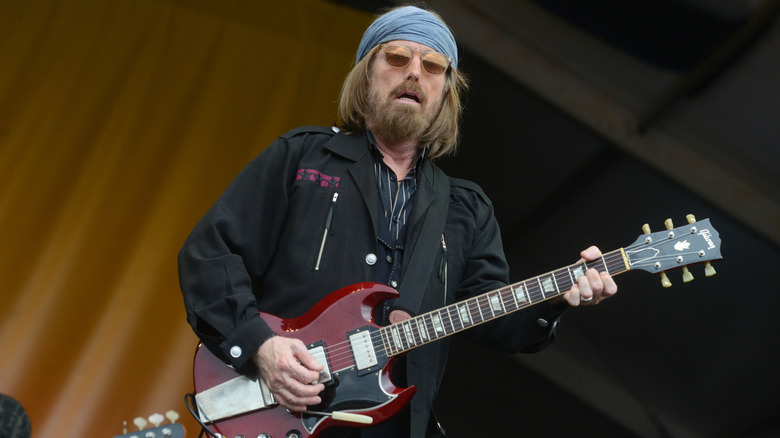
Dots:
pixel 363 351
pixel 318 351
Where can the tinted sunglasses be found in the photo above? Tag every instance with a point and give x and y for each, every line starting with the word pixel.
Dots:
pixel 399 56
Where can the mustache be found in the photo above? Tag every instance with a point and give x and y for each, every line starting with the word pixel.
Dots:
pixel 408 87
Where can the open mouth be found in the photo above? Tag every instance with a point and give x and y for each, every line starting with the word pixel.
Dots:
pixel 408 97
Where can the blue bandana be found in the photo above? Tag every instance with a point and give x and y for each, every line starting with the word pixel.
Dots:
pixel 412 24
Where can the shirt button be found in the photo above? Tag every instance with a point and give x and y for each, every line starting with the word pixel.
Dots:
pixel 371 258
pixel 235 351
pixel 389 259
pixel 394 283
pixel 542 322
pixel 395 219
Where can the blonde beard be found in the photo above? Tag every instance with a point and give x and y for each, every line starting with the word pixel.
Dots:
pixel 399 122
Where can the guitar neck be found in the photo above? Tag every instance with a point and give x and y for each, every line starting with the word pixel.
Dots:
pixel 434 325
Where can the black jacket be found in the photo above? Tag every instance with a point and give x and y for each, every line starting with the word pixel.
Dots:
pixel 257 247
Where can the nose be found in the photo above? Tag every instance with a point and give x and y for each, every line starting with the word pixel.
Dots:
pixel 414 68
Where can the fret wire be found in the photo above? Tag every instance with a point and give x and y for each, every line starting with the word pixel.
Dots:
pixel 502 301
pixel 526 293
pixel 449 318
pixel 479 308
pixel 415 336
pixel 409 334
pixel 481 303
pixel 488 302
pixel 382 337
pixel 471 317
pixel 541 289
pixel 439 325
pixel 555 281
pixel 465 313
pixel 514 296
pixel 401 336
pixel 386 340
pixel 503 294
pixel 398 334
pixel 423 330
pixel 490 299
pixel 453 316
pixel 390 339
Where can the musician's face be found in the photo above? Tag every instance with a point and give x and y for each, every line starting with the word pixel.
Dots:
pixel 404 100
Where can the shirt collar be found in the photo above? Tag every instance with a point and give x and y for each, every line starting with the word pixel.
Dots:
pixel 413 172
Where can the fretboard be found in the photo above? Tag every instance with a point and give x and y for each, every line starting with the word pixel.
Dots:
pixel 401 337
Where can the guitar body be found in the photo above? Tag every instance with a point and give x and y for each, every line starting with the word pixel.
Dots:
pixel 368 392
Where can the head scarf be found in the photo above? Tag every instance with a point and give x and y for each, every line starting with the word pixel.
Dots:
pixel 412 24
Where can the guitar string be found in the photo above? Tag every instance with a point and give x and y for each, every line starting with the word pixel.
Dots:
pixel 407 329
pixel 475 305
pixel 411 328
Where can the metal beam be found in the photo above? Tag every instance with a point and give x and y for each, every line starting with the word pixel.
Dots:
pixel 669 148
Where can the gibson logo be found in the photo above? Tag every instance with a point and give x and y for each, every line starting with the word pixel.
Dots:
pixel 682 246
pixel 706 234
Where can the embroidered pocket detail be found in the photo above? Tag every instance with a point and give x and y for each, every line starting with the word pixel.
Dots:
pixel 318 178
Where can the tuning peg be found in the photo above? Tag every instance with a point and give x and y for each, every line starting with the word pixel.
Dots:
pixel 140 422
pixel 124 427
pixel 665 280
pixel 172 416
pixel 687 276
pixel 156 419
pixel 709 271
pixel 668 224
pixel 646 229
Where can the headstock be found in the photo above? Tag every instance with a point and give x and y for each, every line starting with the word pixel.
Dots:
pixel 697 242
pixel 159 430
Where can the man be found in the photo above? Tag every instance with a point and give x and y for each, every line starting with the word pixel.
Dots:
pixel 324 208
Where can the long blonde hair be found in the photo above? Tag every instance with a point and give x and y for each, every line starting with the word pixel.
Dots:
pixel 444 132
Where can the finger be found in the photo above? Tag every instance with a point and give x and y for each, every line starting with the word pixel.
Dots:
pixel 585 291
pixel 287 398
pixel 300 374
pixel 304 367
pixel 306 358
pixel 573 296
pixel 610 287
pixel 303 391
pixel 594 281
pixel 591 253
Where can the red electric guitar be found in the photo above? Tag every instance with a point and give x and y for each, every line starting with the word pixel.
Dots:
pixel 358 355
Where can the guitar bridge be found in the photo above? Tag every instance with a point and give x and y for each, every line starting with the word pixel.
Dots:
pixel 233 397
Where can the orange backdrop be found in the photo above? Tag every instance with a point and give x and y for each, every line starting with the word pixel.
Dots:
pixel 120 123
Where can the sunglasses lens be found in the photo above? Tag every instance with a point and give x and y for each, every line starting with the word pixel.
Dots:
pixel 434 63
pixel 398 56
